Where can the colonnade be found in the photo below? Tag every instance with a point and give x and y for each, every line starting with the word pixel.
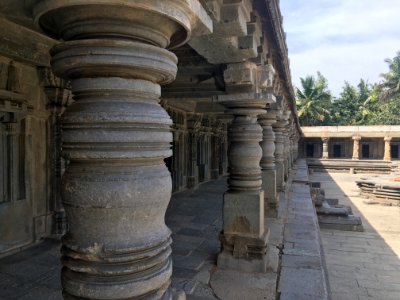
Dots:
pixel 361 147
pixel 116 135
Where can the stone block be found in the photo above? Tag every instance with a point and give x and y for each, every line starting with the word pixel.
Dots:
pixel 236 285
pixel 270 192
pixel 280 171
pixel 244 214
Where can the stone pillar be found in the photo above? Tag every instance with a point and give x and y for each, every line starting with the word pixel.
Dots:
pixel 268 163
pixel 59 97
pixel 116 187
pixel 325 148
pixel 244 236
pixel 13 132
pixel 286 145
pixel 387 155
pixel 215 149
pixel 356 147
pixel 278 128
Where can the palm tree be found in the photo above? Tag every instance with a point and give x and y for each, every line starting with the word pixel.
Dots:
pixel 391 84
pixel 313 101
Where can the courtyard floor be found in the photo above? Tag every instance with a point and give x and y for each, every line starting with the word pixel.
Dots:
pixel 361 265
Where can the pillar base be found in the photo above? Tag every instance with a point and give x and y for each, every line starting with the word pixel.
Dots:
pixel 260 258
pixel 214 173
pixel 270 193
pixel 244 239
pixel 192 182
pixel 280 182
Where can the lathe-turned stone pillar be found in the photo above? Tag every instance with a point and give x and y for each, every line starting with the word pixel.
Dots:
pixel 325 148
pixel 116 187
pixel 268 163
pixel 356 147
pixel 387 155
pixel 286 145
pixel 244 236
pixel 278 128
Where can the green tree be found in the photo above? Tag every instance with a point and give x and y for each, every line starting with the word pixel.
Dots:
pixel 351 108
pixel 313 101
pixel 391 83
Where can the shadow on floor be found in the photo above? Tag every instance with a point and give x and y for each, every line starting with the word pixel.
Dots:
pixel 361 265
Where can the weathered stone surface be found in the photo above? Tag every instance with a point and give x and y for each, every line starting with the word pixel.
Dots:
pixel 268 167
pixel 115 82
pixel 303 267
pixel 235 285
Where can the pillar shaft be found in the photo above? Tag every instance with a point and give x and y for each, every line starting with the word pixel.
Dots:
pixel 356 147
pixel 279 155
pixel 325 148
pixel 116 187
pixel 387 155
pixel 268 163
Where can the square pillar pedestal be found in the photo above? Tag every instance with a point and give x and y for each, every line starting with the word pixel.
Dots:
pixel 270 191
pixel 244 238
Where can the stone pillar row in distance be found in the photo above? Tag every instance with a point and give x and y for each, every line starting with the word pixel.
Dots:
pixel 116 187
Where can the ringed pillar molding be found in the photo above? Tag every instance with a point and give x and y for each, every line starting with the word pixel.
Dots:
pixel 268 163
pixel 244 237
pixel 279 128
pixel 356 147
pixel 387 155
pixel 116 187
pixel 286 144
pixel 325 147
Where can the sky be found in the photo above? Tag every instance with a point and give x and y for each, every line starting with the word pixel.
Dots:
pixel 345 40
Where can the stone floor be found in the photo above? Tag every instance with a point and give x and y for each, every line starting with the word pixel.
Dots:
pixel 361 265
pixel 195 218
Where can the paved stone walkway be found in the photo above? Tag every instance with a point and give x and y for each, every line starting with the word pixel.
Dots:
pixel 195 218
pixel 361 265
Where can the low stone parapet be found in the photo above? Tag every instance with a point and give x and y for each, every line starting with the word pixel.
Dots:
pixel 350 165
pixel 303 272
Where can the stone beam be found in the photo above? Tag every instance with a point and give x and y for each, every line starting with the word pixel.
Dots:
pixel 24 45
pixel 237 32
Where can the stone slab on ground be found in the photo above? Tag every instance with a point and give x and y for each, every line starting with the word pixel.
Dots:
pixel 237 285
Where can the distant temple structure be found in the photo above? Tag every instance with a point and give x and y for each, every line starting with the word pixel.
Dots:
pixel 362 148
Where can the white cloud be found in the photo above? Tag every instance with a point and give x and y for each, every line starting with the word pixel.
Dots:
pixel 344 39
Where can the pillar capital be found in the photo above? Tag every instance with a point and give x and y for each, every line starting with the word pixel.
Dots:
pixel 387 138
pixel 356 138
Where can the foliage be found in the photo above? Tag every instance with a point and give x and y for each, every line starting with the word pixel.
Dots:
pixel 391 84
pixel 313 101
pixel 366 104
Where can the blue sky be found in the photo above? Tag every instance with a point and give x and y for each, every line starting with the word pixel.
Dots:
pixel 343 39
